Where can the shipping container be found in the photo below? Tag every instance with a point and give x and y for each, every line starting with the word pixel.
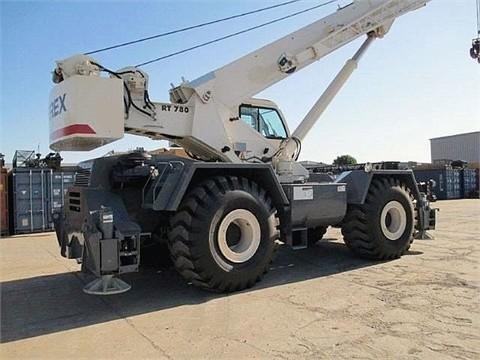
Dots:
pixel 3 202
pixel 59 183
pixel 35 194
pixel 469 183
pixel 447 181
pixel 477 170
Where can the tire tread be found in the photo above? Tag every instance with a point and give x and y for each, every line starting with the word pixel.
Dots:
pixel 188 221
pixel 356 229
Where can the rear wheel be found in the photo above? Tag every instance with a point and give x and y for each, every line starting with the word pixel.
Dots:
pixel 224 234
pixel 382 228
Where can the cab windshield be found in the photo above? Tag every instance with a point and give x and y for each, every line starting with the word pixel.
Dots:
pixel 266 121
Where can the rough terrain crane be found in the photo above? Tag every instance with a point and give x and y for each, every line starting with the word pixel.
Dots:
pixel 223 212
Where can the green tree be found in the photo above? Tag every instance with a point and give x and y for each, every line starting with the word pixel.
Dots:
pixel 344 160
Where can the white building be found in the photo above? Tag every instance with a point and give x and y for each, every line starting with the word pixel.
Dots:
pixel 456 147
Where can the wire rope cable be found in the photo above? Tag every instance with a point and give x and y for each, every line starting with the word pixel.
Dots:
pixel 234 34
pixel 127 43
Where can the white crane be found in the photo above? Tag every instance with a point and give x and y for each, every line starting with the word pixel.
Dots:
pixel 222 217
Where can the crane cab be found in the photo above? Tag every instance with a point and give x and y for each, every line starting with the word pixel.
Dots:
pixel 258 129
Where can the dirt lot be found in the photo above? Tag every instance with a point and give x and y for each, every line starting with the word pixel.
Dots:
pixel 315 303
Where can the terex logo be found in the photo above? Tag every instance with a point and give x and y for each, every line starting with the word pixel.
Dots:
pixel 57 106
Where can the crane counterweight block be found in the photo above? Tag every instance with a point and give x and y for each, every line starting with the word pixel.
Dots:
pixel 86 112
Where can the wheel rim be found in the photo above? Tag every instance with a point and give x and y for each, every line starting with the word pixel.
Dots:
pixel 393 220
pixel 239 236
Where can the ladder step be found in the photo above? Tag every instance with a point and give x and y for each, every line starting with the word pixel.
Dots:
pixel 299 238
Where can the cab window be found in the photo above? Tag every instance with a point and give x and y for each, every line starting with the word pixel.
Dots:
pixel 266 121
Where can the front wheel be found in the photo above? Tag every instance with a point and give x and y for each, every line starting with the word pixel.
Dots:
pixel 382 228
pixel 224 234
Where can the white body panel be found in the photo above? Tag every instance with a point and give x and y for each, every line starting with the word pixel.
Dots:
pixel 172 119
pixel 86 112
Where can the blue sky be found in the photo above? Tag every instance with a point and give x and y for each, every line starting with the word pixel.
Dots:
pixel 417 83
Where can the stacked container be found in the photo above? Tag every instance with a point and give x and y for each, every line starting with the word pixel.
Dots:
pixel 3 201
pixel 34 195
pixel 448 184
pixel 477 170
pixel 58 185
pixel 469 184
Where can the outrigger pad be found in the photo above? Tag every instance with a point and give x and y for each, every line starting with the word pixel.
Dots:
pixel 423 235
pixel 106 285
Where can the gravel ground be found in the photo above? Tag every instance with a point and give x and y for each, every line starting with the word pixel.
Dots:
pixel 315 303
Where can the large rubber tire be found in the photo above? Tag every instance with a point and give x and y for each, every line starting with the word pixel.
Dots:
pixel 224 234
pixel 382 228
